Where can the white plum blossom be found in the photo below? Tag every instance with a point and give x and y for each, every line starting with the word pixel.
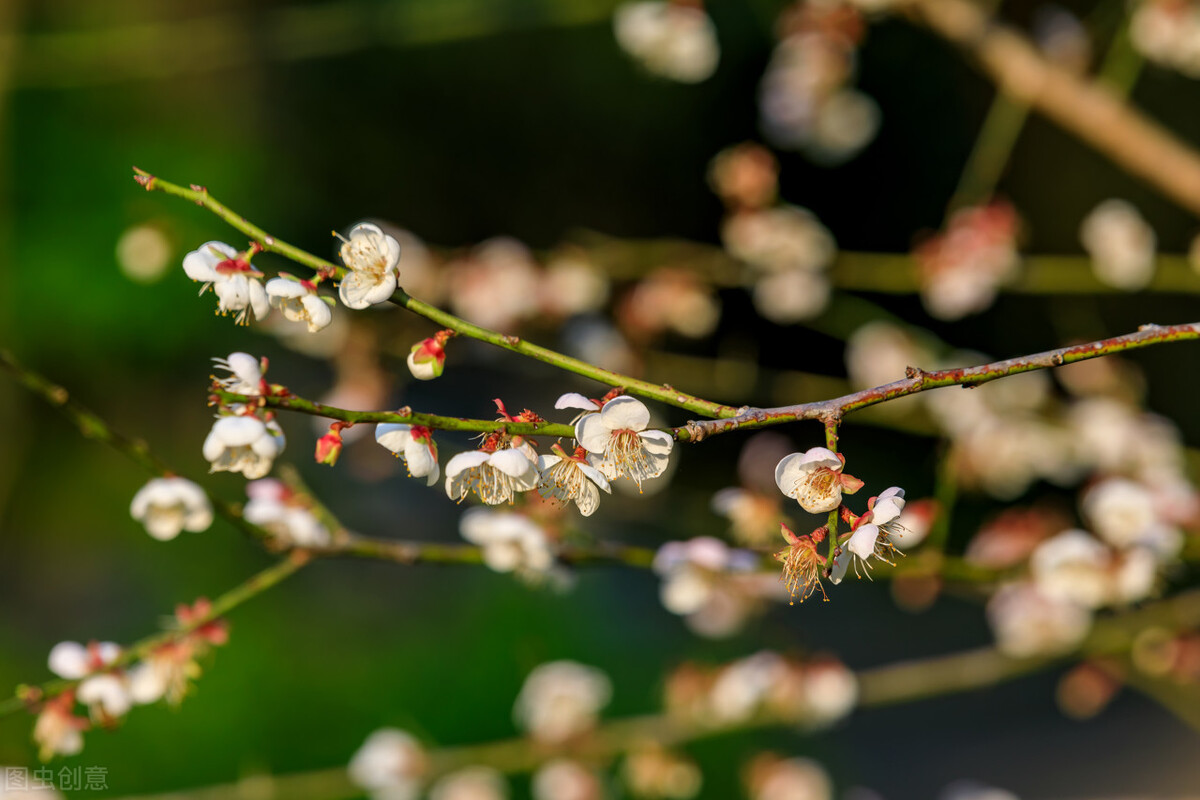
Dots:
pixel 830 691
pixel 231 277
pixel 243 444
pixel 779 239
pixel 105 693
pixel 564 779
pixel 1073 566
pixel 496 285
pixel 814 479
pixel 1122 513
pixel 287 515
pixel 963 267
pixel 299 301
pixel 560 700
pixel 1121 244
pixel 57 731
pixel 496 476
pixel 72 660
pixel 390 765
pixel 415 443
pixel 510 541
pixel 789 779
pixel 1028 622
pixel 373 258
pixel 670 39
pixel 470 783
pixel 570 477
pixel 793 296
pixel 245 373
pixel 167 506
pixel 1167 32
pixel 617 437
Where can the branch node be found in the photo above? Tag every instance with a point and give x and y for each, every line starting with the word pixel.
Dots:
pixel 696 431
pixel 1057 359
pixel 510 340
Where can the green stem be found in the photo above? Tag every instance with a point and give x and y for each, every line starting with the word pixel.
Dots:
pixel 993 147
pixel 831 442
pixel 405 416
pixel 661 392
pixel 945 494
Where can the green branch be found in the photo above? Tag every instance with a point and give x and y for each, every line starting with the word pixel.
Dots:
pixel 661 392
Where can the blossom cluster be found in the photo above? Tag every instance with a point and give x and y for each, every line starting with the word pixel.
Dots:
pixel 806 100
pixel 963 267
pixel 787 249
pixel 107 683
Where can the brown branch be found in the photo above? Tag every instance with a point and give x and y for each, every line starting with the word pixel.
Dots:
pixel 1086 108
pixel 918 381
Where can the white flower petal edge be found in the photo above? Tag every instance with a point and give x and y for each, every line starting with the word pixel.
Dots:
pixel 576 400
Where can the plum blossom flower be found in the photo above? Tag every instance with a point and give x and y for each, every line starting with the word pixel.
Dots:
pixel 1122 513
pixel 390 765
pixel 1028 622
pixel 802 564
pixel 617 436
pixel 243 444
pixel 373 258
pixel 753 515
pixel 650 770
pixel 496 476
pixel 415 443
pixel 167 671
pixel 229 274
pixel 299 302
pixel 564 779
pixel 106 694
pixel 560 700
pixel 963 267
pixel 815 480
pixel 704 581
pixel 284 513
pixel 1073 566
pixel 570 477
pixel 167 506
pixel 245 373
pixel 772 778
pixel 669 39
pixel 510 541
pixel 57 730
pixel 470 783
pixel 1121 244
pixel 496 285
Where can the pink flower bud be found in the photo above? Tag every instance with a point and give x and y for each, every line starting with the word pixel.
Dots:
pixel 428 357
pixel 329 446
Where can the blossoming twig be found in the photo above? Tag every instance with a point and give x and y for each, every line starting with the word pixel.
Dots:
pixel 918 381
pixel 893 684
pixel 256 585
pixel 665 394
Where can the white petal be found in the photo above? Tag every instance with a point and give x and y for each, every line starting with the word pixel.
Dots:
pixel 69 660
pixel 592 434
pixel 465 461
pixel 588 499
pixel 596 477
pixel 282 287
pixel 840 564
pixel 657 443
pixel 862 541
pixel 576 400
pixel 420 459
pixel 546 462
pixel 788 472
pixel 319 313
pixel 238 431
pixel 625 413
pixel 395 436
pixel 355 290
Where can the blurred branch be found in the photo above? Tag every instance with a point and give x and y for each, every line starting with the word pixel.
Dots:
pixel 1006 118
pixel 662 393
pixel 165 49
pixel 894 684
pixel 1087 108
pixel 919 381
pixel 27 696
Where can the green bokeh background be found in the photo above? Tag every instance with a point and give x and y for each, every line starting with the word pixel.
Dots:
pixel 463 119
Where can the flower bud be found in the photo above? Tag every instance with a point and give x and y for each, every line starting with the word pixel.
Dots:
pixel 428 357
pixel 329 446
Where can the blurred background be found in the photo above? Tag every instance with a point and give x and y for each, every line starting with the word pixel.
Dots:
pixel 460 121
